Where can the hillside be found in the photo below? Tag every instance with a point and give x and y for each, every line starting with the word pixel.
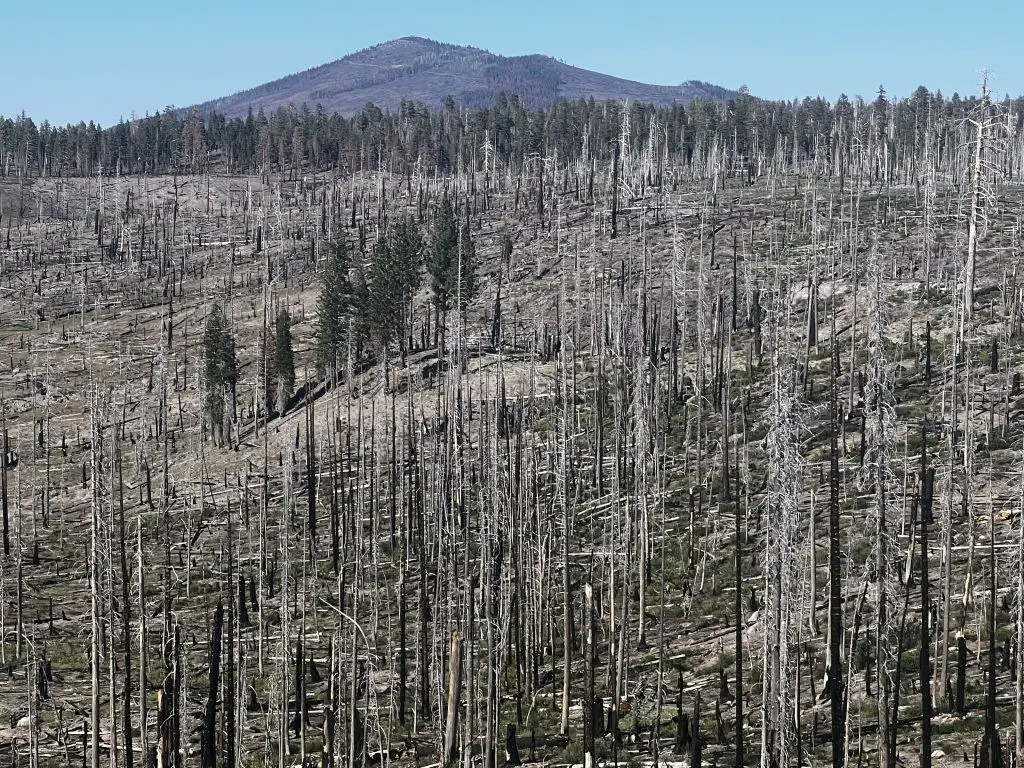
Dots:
pixel 416 69
pixel 717 464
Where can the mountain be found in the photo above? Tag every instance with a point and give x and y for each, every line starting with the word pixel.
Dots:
pixel 417 69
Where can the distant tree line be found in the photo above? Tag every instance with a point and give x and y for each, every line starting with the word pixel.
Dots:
pixel 457 139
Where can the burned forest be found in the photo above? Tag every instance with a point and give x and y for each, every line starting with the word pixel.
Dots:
pixel 595 434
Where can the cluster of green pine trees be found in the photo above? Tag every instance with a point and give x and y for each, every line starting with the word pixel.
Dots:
pixel 364 309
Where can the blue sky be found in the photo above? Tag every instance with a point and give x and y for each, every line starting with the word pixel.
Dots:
pixel 70 60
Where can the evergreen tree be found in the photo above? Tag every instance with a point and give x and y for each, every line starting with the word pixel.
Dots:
pixel 407 245
pixel 451 262
pixel 220 369
pixel 338 327
pixel 281 367
pixel 465 269
pixel 444 249
pixel 394 277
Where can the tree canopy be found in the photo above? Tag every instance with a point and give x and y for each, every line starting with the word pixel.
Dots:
pixel 220 370
pixel 281 364
pixel 394 277
pixel 451 260
pixel 338 326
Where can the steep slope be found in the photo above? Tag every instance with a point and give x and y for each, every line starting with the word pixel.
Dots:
pixel 373 519
pixel 416 69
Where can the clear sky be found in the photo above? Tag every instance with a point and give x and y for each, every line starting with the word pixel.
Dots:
pixel 71 60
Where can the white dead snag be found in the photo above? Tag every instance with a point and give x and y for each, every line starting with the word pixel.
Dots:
pixel 1019 684
pixel 588 702
pixel 976 193
pixel 143 649
pixel 780 618
pixel 94 587
pixel 879 418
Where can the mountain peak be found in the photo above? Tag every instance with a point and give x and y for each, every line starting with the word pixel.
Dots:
pixel 414 68
pixel 414 39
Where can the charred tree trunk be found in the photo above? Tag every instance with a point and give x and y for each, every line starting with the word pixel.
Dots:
pixel 927 495
pixel 209 747
pixel 451 730
pixel 739 636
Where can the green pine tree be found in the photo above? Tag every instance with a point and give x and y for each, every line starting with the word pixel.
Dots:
pixel 451 262
pixel 284 360
pixel 220 369
pixel 394 277
pixel 443 254
pixel 339 328
pixel 465 280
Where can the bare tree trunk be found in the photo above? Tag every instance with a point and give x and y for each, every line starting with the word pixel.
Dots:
pixel 836 688
pixel 589 735
pixel 992 756
pixel 210 730
pixel 927 494
pixel 451 729
pixel 6 449
pixel 976 193
pixel 126 632
pixel 566 616
pixel 94 587
pixel 738 619
pixel 143 654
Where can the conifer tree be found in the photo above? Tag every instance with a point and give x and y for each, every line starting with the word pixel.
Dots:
pixel 338 329
pixel 444 250
pixel 451 262
pixel 465 281
pixel 394 276
pixel 220 368
pixel 281 378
